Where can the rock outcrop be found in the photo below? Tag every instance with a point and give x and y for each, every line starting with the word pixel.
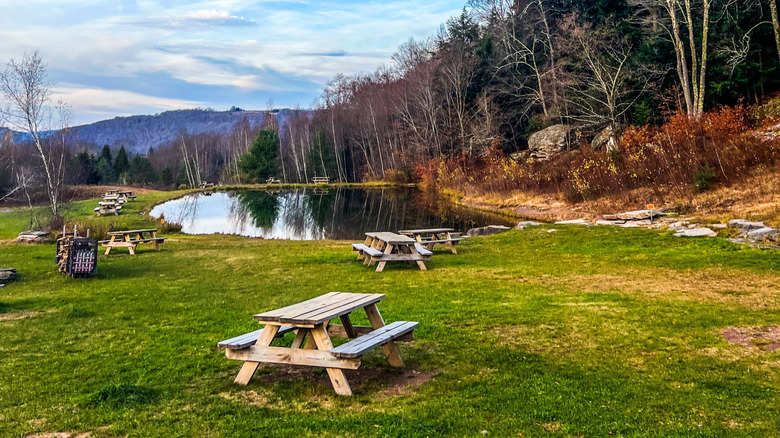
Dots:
pixel 606 139
pixel 549 141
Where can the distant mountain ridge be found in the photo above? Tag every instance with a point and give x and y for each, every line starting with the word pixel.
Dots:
pixel 139 133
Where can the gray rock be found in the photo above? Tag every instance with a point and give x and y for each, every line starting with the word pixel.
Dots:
pixel 575 222
pixel 523 225
pixel 606 139
pixel 745 225
pixel 609 223
pixel 487 231
pixel 557 138
pixel 697 232
pixel 719 226
pixel 552 230
pixel 763 233
pixel 639 215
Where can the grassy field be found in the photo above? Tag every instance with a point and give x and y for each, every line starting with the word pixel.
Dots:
pixel 581 332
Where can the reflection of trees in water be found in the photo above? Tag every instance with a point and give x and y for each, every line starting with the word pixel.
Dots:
pixel 339 213
pixel 260 206
pixel 181 210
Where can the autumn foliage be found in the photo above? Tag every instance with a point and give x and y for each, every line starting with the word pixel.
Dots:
pixel 670 159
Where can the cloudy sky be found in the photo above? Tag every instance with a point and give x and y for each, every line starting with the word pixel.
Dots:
pixel 112 58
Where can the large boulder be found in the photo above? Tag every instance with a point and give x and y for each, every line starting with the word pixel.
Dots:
pixel 487 231
pixel 606 139
pixel 557 138
pixel 766 233
pixel 745 225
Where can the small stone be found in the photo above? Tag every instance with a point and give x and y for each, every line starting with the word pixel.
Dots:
pixel 552 230
pixel 609 223
pixel 719 226
pixel 584 222
pixel 697 232
pixel 487 231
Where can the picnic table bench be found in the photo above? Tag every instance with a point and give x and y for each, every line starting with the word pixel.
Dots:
pixel 108 208
pixel 430 237
pixel 131 239
pixel 321 180
pixel 273 180
pixel 312 346
pixel 383 247
pixel 126 195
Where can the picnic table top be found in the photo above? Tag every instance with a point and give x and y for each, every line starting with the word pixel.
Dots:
pixel 125 192
pixel 391 238
pixel 428 231
pixel 319 310
pixel 121 233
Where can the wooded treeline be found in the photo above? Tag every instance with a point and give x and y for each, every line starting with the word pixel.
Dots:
pixel 504 69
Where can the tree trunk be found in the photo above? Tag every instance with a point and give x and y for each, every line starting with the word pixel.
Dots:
pixel 775 24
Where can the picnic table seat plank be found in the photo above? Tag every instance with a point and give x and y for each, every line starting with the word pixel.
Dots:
pixel 381 336
pixel 422 250
pixel 249 339
pixel 367 249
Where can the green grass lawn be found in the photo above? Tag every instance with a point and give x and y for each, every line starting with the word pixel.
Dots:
pixel 583 332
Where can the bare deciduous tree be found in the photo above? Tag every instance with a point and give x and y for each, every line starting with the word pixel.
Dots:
pixel 27 90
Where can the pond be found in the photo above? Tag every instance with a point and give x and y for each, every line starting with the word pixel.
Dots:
pixel 317 214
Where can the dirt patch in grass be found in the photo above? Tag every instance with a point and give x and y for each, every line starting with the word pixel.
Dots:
pixel 764 338
pixel 392 382
pixel 59 435
pixel 750 290
pixel 15 316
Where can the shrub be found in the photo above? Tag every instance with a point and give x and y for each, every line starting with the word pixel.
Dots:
pixel 704 177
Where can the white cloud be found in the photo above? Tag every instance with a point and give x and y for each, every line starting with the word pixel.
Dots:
pixel 117 102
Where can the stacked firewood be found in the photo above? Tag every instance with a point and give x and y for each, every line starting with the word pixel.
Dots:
pixel 76 256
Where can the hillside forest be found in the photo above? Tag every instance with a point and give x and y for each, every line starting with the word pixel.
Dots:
pixel 664 94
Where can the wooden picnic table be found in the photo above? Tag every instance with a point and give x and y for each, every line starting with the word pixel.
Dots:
pixel 382 247
pixel 321 180
pixel 131 239
pixel 108 208
pixel 312 346
pixel 430 237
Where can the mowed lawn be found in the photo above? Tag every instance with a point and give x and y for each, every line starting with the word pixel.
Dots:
pixel 581 332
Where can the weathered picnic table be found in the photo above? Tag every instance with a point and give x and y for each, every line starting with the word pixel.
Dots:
pixel 430 237
pixel 130 239
pixel 310 320
pixel 108 208
pixel 126 195
pixel 321 180
pixel 383 247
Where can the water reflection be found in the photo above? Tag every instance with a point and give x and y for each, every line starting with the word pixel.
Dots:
pixel 306 214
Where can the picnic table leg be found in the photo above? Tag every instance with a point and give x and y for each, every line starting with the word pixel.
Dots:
pixel 300 335
pixel 131 248
pixel 110 242
pixel 156 242
pixel 390 350
pixel 451 243
pixel 337 377
pixel 381 266
pixel 248 369
pixel 347 323
pixel 420 263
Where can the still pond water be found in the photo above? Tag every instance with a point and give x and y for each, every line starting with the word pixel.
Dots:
pixel 308 214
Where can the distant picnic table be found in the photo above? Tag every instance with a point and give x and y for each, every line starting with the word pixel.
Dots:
pixel 431 237
pixel 312 346
pixel 108 207
pixel 131 239
pixel 321 180
pixel 383 247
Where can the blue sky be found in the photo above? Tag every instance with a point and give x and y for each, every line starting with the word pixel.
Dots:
pixel 114 58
